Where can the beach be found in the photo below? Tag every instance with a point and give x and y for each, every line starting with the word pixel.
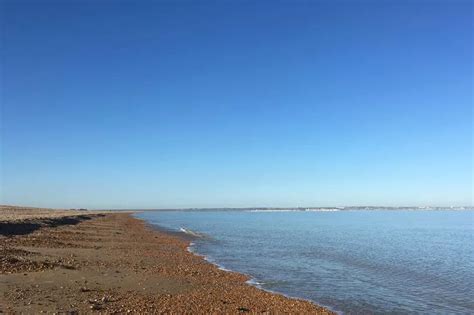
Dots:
pixel 110 262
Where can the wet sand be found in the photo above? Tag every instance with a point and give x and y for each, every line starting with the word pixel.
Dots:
pixel 83 262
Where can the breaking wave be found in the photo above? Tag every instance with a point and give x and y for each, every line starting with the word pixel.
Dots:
pixel 193 233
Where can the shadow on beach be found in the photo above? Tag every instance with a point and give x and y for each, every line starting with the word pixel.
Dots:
pixel 23 227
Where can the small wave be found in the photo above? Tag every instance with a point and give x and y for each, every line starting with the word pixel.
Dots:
pixel 191 248
pixel 254 282
pixel 214 262
pixel 193 233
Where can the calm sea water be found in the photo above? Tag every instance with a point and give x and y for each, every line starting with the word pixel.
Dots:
pixel 351 261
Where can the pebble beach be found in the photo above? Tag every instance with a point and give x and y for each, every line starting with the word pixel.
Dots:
pixel 73 262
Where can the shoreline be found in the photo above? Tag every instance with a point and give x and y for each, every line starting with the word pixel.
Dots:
pixel 251 280
pixel 117 263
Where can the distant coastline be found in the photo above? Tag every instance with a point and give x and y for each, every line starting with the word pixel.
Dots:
pixel 37 210
pixel 344 208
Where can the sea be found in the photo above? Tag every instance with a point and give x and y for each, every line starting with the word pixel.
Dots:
pixel 351 261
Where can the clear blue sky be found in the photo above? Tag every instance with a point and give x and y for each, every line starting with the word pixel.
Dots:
pixel 151 104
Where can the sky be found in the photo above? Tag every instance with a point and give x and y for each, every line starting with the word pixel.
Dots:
pixel 172 104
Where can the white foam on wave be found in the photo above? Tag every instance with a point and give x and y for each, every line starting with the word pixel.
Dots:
pixel 192 233
pixel 254 282
pixel 191 249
